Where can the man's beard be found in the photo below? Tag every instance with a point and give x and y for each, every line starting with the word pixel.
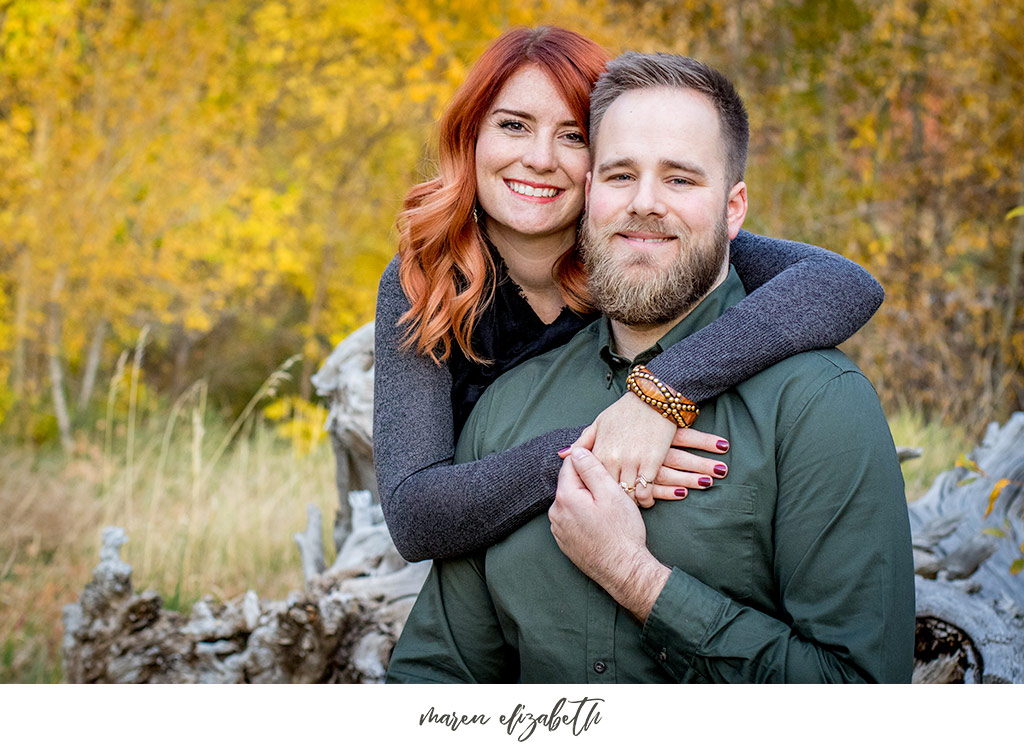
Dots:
pixel 629 287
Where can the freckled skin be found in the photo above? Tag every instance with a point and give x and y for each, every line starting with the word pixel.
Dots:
pixel 529 136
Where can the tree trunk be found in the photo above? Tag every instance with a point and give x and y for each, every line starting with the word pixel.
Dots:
pixel 21 322
pixel 1014 280
pixel 182 350
pixel 316 308
pixel 92 366
pixel 53 347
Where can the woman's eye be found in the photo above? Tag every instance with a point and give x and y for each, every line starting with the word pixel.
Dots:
pixel 512 125
pixel 576 138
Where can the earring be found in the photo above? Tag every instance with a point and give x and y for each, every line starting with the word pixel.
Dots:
pixel 476 216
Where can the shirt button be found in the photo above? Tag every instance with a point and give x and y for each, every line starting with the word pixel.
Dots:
pixel 663 655
pixel 600 667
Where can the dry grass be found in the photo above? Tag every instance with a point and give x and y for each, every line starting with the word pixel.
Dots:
pixel 199 521
pixel 941 443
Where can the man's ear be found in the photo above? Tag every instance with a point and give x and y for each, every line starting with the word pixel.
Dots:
pixel 586 192
pixel 736 208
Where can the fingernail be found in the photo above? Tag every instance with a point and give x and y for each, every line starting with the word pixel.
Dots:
pixel 721 469
pixel 722 444
pixel 681 493
pixel 704 481
pixel 564 450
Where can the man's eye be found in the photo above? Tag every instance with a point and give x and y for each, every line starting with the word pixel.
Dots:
pixel 512 125
pixel 681 182
pixel 619 178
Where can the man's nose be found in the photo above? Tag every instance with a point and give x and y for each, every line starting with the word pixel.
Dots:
pixel 540 155
pixel 647 199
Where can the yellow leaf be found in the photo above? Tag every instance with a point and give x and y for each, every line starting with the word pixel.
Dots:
pixel 967 463
pixel 995 494
pixel 1017 566
pixel 1015 212
pixel 994 532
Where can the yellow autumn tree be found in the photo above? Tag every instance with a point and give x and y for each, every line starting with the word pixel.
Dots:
pixel 227 173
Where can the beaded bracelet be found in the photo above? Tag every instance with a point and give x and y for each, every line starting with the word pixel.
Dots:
pixel 661 397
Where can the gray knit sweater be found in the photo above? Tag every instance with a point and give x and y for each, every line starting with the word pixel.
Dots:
pixel 801 298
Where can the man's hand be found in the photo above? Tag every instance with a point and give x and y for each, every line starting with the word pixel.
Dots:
pixel 600 529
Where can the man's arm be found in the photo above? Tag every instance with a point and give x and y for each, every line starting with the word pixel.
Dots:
pixel 452 634
pixel 842 562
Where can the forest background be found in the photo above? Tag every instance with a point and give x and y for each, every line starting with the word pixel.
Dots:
pixel 194 192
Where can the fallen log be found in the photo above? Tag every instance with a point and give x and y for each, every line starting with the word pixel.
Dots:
pixel 346 380
pixel 970 621
pixel 340 628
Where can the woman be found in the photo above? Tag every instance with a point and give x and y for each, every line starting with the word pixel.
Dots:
pixel 488 275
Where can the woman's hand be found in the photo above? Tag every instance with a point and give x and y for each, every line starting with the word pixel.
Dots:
pixel 631 439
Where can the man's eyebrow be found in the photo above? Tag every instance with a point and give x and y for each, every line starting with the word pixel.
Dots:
pixel 629 163
pixel 622 162
pixel 527 116
pixel 685 167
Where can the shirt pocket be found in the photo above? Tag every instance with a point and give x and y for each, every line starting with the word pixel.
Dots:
pixel 709 535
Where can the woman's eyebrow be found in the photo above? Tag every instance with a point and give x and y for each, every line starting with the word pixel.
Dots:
pixel 527 116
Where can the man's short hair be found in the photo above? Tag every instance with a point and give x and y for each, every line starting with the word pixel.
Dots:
pixel 634 70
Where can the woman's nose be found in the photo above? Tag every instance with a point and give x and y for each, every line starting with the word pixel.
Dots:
pixel 540 156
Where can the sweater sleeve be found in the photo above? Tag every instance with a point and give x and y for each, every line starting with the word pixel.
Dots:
pixel 435 509
pixel 800 298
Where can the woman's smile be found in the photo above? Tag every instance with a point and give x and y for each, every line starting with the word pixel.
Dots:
pixel 531 164
pixel 537 192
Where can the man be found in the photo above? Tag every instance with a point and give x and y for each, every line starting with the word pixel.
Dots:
pixel 795 568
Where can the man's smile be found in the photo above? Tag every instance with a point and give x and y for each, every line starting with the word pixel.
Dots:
pixel 646 238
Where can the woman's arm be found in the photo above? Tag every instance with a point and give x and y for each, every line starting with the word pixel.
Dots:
pixel 800 298
pixel 435 509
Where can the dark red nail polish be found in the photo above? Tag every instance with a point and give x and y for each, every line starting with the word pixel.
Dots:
pixel 721 469
pixel 681 493
pixel 722 444
pixel 704 481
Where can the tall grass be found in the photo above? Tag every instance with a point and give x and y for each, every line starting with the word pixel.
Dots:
pixel 208 509
pixel 940 443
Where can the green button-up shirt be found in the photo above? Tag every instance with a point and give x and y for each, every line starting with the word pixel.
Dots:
pixel 797 567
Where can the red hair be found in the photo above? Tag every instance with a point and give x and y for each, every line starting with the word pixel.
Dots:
pixel 445 270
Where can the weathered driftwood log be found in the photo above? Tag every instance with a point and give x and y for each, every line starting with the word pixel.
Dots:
pixel 346 378
pixel 970 625
pixel 970 607
pixel 341 628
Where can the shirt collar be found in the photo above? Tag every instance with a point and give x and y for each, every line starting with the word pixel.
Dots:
pixel 707 311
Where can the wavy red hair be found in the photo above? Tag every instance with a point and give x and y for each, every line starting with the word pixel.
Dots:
pixel 445 270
